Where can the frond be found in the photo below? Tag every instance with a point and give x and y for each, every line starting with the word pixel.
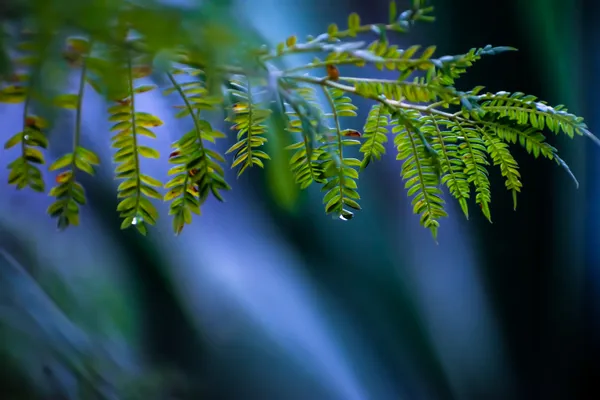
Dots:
pixel 24 171
pixel 527 110
pixel 451 68
pixel 473 153
pixel 197 171
pixel 417 91
pixel 443 136
pixel 340 172
pixel 69 193
pixel 375 134
pixel 445 143
pixel 419 171
pixel 249 120
pixel 31 140
pixel 530 138
pixel 498 151
pixel 136 188
pixel 305 162
pixel 517 117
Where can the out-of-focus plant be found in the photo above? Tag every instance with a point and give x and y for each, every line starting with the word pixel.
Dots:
pixel 443 135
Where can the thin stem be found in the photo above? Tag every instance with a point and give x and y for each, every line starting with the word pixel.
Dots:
pixel 25 127
pixel 340 163
pixel 198 131
pixel 249 132
pixel 373 80
pixel 352 61
pixel 134 133
pixel 390 103
pixel 325 37
pixel 189 107
pixel 336 119
pixel 77 134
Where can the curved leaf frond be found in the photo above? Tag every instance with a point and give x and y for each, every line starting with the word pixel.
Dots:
pixel 305 163
pixel 197 171
pixel 419 170
pixel 446 144
pixel 136 188
pixel 340 172
pixel 444 136
pixel 69 193
pixel 250 122
pixel 375 134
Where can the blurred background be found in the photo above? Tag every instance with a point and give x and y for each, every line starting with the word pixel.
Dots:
pixel 258 302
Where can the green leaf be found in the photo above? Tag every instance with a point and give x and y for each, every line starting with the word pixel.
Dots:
pixel 144 88
pixel 291 41
pixel 353 23
pixel 13 94
pixel 393 12
pixel 13 141
pixel 148 152
pixel 66 101
pixel 332 30
pixel 62 162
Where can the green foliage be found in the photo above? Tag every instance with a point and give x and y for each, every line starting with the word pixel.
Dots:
pixel 375 134
pixel 136 188
pixel 197 171
pixel 68 192
pixel 446 139
pixel 249 119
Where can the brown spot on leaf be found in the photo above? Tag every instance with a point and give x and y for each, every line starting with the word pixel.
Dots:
pixel 333 73
pixel 63 177
pixel 31 122
pixel 352 133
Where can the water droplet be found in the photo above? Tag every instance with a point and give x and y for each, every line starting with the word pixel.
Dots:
pixel 346 215
pixel 26 137
pixel 136 221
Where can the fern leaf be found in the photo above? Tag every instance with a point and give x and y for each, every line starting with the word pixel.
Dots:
pixel 445 143
pixel 14 93
pixel 473 151
pixel 197 171
pixel 24 171
pixel 306 167
pixel 25 66
pixel 375 134
pixel 437 146
pixel 31 140
pixel 419 172
pixel 136 188
pixel 305 162
pixel 451 68
pixel 526 110
pixel 249 120
pixel 498 151
pixel 418 90
pixel 69 193
pixel 530 138
pixel 340 172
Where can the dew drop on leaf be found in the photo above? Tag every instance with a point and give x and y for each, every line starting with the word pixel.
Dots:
pixel 346 215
